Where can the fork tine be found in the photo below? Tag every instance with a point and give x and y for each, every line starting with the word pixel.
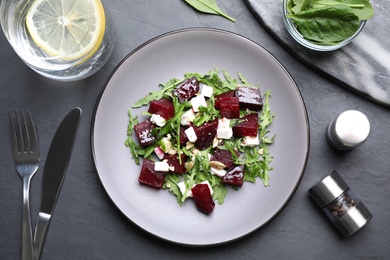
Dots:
pixel 33 139
pixel 15 131
pixel 25 132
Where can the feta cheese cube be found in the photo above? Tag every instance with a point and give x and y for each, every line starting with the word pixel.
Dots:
pixel 223 123
pixel 250 141
pixel 198 101
pixel 161 166
pixel 187 117
pixel 190 132
pixel 158 120
pixel 206 91
pixel 225 133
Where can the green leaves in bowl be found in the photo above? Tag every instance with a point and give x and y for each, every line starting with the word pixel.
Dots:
pixel 328 22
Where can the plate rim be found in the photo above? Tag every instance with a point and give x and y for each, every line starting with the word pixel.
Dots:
pixel 201 29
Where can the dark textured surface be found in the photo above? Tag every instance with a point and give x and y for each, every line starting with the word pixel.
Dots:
pixel 86 225
pixel 363 65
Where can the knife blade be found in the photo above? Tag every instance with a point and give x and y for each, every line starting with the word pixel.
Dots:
pixel 53 175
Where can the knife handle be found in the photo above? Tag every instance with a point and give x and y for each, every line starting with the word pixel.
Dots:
pixel 40 232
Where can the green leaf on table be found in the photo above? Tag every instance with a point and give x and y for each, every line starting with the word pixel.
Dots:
pixel 208 6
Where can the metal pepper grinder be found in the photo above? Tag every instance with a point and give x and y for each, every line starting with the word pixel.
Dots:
pixel 349 130
pixel 340 204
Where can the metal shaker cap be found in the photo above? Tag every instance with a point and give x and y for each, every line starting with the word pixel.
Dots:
pixel 328 189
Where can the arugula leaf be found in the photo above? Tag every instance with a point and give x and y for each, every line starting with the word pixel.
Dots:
pixel 208 6
pixel 206 114
pixel 219 86
pixel 134 148
pixel 243 80
pixel 189 182
pixel 219 192
pixel 171 183
pixel 266 119
pixel 156 95
pixel 266 116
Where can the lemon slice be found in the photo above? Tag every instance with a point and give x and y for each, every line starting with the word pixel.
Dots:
pixel 67 29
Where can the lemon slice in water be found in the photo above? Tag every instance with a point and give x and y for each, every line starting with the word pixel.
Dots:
pixel 68 29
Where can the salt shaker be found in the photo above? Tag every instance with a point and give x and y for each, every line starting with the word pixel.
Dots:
pixel 349 130
pixel 340 204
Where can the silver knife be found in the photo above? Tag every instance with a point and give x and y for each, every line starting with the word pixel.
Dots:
pixel 53 175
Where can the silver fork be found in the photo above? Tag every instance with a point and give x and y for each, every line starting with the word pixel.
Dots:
pixel 26 159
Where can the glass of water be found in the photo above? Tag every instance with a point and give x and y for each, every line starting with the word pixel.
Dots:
pixel 63 40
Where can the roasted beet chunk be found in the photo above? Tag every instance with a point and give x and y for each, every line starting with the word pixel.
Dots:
pixel 223 156
pixel 203 199
pixel 143 131
pixel 248 127
pixel 206 134
pixel 162 107
pixel 250 98
pixel 149 176
pixel 229 107
pixel 173 160
pixel 230 93
pixel 187 90
pixel 235 176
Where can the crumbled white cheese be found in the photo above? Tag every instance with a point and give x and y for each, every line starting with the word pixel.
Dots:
pixel 187 117
pixel 223 123
pixel 206 91
pixel 225 133
pixel 198 101
pixel 161 166
pixel 250 141
pixel 218 172
pixel 158 120
pixel 191 135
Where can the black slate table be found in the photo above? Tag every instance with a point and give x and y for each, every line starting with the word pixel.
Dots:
pixel 87 225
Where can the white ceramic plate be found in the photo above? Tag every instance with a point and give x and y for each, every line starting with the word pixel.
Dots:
pixel 156 211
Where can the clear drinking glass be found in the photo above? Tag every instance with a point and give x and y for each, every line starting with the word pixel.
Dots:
pixel 65 64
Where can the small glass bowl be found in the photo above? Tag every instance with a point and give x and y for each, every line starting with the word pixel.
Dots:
pixel 317 47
